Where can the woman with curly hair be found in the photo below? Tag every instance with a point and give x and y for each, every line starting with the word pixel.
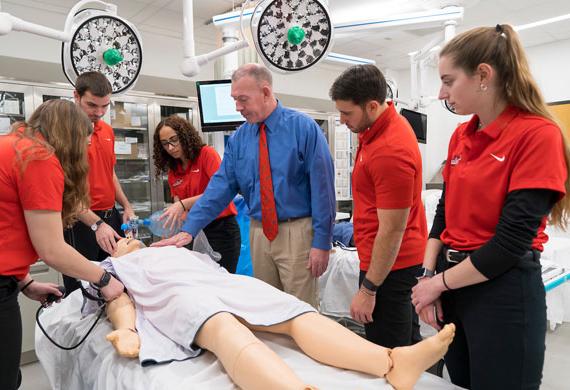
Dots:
pixel 43 186
pixel 179 150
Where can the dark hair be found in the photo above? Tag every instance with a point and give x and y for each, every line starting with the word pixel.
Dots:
pixel 94 82
pixel 500 47
pixel 360 84
pixel 189 139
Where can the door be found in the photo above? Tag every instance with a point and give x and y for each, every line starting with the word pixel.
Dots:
pixel 163 108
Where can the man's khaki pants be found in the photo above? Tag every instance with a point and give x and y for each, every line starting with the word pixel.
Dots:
pixel 282 262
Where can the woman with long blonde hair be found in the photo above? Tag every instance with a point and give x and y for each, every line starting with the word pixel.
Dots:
pixel 43 186
pixel 506 172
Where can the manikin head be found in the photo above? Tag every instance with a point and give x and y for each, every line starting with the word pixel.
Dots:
pixel 126 246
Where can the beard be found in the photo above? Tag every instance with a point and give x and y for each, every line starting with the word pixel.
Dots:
pixel 364 124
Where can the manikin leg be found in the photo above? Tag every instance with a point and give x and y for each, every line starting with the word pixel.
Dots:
pixel 330 343
pixel 247 360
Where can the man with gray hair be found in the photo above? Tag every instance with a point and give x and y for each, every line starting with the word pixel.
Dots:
pixel 280 162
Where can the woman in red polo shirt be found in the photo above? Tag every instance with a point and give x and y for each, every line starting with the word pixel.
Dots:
pixel 43 185
pixel 190 163
pixel 506 171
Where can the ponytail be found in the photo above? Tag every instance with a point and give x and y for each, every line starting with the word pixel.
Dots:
pixel 501 48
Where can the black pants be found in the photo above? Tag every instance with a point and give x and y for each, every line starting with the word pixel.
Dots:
pixel 501 327
pixel 392 317
pixel 83 239
pixel 11 331
pixel 224 237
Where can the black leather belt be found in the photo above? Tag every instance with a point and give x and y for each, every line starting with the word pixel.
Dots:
pixel 104 213
pixel 453 256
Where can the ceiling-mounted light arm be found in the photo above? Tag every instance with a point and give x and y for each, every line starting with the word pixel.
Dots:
pixel 10 23
pixel 450 27
pixel 288 35
pixel 191 64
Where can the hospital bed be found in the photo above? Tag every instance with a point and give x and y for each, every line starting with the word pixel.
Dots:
pixel 96 366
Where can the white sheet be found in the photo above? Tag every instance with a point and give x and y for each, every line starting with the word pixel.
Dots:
pixel 96 366
pixel 176 291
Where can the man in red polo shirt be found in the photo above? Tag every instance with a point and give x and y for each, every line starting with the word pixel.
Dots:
pixel 96 236
pixel 390 228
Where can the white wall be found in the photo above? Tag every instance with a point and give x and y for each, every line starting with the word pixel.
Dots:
pixel 441 123
pixel 550 65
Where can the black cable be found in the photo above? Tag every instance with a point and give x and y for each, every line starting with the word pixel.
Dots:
pixel 101 310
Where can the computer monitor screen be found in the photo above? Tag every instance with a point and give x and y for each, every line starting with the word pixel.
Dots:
pixel 418 121
pixel 217 108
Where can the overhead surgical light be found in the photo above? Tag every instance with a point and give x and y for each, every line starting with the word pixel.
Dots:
pixel 93 39
pixel 391 90
pixel 105 43
pixel 288 35
pixel 448 107
pixel 291 35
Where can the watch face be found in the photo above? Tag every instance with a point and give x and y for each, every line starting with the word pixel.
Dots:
pixel 105 279
pixel 94 227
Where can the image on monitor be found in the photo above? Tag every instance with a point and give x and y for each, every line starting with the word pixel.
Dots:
pixel 217 107
pixel 418 121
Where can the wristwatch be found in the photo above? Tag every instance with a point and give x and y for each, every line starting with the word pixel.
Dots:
pixel 425 273
pixel 105 279
pixel 367 284
pixel 95 226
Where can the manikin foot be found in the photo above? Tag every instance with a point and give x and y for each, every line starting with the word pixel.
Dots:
pixel 408 363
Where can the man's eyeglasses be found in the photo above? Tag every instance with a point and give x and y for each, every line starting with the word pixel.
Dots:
pixel 174 141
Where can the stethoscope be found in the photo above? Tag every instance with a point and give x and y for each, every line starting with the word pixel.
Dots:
pixel 53 298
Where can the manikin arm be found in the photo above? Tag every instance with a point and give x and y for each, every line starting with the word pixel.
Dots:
pixel 125 339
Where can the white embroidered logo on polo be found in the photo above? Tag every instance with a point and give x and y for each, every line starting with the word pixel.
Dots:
pixel 195 170
pixel 499 159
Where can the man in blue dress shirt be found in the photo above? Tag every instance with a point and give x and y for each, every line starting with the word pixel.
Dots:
pixel 302 176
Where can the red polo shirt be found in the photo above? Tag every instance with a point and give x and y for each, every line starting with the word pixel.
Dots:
pixel 39 187
pixel 388 175
pixel 192 181
pixel 102 161
pixel 516 151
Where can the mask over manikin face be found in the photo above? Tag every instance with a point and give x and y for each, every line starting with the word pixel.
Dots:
pixel 127 245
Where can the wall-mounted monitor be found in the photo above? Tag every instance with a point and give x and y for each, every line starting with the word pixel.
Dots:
pixel 217 107
pixel 418 121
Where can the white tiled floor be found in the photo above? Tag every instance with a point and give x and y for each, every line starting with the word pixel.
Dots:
pixel 556 374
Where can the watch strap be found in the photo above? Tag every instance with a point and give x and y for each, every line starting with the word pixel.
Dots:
pixel 367 284
pixel 104 281
pixel 425 273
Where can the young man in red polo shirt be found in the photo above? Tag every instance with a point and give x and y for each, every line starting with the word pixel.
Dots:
pixel 95 238
pixel 389 220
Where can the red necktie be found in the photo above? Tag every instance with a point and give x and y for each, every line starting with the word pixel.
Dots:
pixel 268 210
